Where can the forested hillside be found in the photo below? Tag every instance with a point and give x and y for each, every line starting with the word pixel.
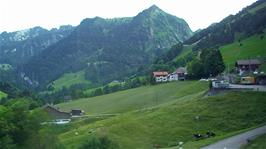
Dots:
pixel 239 36
pixel 109 49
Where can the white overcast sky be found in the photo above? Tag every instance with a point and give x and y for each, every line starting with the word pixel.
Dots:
pixel 22 14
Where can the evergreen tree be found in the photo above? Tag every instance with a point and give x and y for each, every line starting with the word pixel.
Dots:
pixel 210 64
pixel 213 62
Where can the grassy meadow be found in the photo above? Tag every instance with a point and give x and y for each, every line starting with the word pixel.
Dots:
pixel 70 79
pixel 138 98
pixel 181 110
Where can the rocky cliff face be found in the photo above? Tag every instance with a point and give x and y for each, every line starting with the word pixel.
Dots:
pixel 17 47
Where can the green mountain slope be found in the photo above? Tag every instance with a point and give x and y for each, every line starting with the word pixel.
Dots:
pixel 166 125
pixel 252 47
pixel 2 94
pixel 239 36
pixel 233 27
pixel 109 48
pixel 133 99
pixel 69 79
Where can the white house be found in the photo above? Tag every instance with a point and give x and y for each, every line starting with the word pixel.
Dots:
pixel 173 77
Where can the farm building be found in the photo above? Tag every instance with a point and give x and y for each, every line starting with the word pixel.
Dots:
pixel 55 113
pixel 179 74
pixel 250 65
pixel 160 76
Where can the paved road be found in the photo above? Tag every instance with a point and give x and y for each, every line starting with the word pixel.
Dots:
pixel 237 141
pixel 249 87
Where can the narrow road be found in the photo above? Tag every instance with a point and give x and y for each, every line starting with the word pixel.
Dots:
pixel 261 88
pixel 237 141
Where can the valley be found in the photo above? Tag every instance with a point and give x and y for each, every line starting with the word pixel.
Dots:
pixel 139 81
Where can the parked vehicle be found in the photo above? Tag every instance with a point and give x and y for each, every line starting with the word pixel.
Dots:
pixel 247 80
pixel 220 84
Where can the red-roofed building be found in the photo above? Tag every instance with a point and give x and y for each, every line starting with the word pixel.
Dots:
pixel 160 76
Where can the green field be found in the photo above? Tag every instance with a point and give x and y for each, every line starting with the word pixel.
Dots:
pixel 70 79
pixel 134 99
pixel 2 95
pixel 181 111
pixel 258 143
pixel 92 90
pixel 252 47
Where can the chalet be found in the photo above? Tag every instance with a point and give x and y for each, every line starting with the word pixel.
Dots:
pixel 250 65
pixel 172 77
pixel 160 76
pixel 55 113
pixel 179 74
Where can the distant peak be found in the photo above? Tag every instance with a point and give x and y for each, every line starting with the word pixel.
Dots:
pixel 154 8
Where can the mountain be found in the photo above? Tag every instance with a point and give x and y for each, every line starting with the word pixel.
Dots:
pixel 234 29
pixel 108 49
pixel 17 47
pixel 249 21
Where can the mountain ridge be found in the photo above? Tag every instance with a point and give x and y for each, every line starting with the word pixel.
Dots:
pixel 109 48
pixel 19 46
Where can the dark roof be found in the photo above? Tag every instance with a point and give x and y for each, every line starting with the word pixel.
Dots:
pixel 248 62
pixel 181 70
pixel 76 112
pixel 55 109
pixel 56 113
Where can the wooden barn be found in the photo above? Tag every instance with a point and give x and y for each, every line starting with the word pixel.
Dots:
pixel 55 113
pixel 250 65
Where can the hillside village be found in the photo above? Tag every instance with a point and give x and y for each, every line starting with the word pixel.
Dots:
pixel 163 76
pixel 247 70
pixel 142 82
